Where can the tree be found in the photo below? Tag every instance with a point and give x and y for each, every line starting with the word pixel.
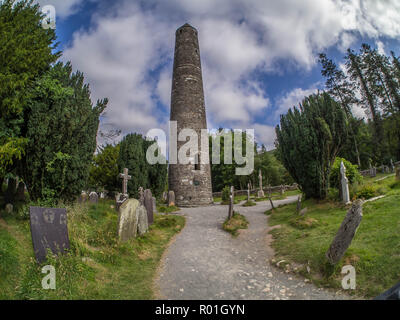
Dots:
pixel 26 52
pixel 104 169
pixel 61 127
pixel 308 141
pixel 343 91
pixel 132 155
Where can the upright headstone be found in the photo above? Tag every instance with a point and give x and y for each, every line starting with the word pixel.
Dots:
pixel 282 190
pixel 392 168
pixel 141 195
pixel 125 178
pixel 128 219
pixel 143 225
pixel 9 208
pixel 171 198
pixel 154 205
pixel 83 197
pixel 165 197
pixel 345 233
pixel 20 196
pixel 49 231
pixel 298 207
pixel 148 204
pixel 248 192
pixel 93 197
pixel 261 191
pixel 231 202
pixel 344 184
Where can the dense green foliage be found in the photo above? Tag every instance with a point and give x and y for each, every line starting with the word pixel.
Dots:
pixel 223 174
pixel 61 128
pixel 104 170
pixel 351 172
pixel 26 51
pixel 372 82
pixel 308 141
pixel 132 155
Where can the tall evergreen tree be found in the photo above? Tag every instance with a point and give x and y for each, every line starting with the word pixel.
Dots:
pixel 61 126
pixel 308 141
pixel 26 52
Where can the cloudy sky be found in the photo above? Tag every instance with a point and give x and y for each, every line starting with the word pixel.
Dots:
pixel 259 57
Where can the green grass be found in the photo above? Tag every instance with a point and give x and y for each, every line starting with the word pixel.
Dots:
pixel 233 225
pixel 98 266
pixel 167 209
pixel 249 204
pixel 374 251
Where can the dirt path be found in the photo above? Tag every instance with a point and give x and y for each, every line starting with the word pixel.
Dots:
pixel 205 262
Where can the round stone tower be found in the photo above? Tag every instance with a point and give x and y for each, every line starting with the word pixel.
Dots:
pixel 190 182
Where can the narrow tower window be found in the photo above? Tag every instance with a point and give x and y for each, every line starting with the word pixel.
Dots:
pixel 197 162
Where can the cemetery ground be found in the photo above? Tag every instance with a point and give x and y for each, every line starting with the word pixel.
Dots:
pixel 302 242
pixel 97 267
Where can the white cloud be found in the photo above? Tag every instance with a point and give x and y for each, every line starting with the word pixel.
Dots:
pixel 293 98
pixel 122 53
pixel 64 8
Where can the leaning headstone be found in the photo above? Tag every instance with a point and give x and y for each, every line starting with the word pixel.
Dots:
pixel 49 231
pixel 9 208
pixel 260 192
pixel 346 233
pixel 231 202
pixel 171 198
pixel 143 225
pixel 128 219
pixel 344 184
pixel 148 204
pixel 20 196
pixel 93 197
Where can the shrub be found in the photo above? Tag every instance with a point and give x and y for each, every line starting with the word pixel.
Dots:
pixel 226 191
pixel 366 192
pixel 351 172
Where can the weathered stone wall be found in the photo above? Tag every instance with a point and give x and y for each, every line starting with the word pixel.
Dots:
pixel 192 187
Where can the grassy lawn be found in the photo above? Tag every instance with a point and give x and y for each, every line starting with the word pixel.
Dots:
pixel 98 265
pixel 374 252
pixel 233 225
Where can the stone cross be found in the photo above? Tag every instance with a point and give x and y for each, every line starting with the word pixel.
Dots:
pixel 344 184
pixel 125 178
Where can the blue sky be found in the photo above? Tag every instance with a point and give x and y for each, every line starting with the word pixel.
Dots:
pixel 259 57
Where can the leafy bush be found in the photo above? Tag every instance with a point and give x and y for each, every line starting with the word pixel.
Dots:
pixel 351 172
pixel 366 192
pixel 226 191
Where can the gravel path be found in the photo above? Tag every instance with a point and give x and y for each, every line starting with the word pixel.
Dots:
pixel 205 262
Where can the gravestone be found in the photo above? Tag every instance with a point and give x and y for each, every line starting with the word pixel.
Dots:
pixel 125 178
pixel 392 167
pixel 171 198
pixel 346 233
pixel 141 195
pixel 20 196
pixel 165 197
pixel 93 197
pixel 231 202
pixel 83 197
pixel 282 189
pixel 260 192
pixel 344 185
pixel 119 200
pixel 49 231
pixel 248 192
pixel 128 219
pixel 9 208
pixel 154 205
pixel 148 204
pixel 143 225
pixel 298 207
